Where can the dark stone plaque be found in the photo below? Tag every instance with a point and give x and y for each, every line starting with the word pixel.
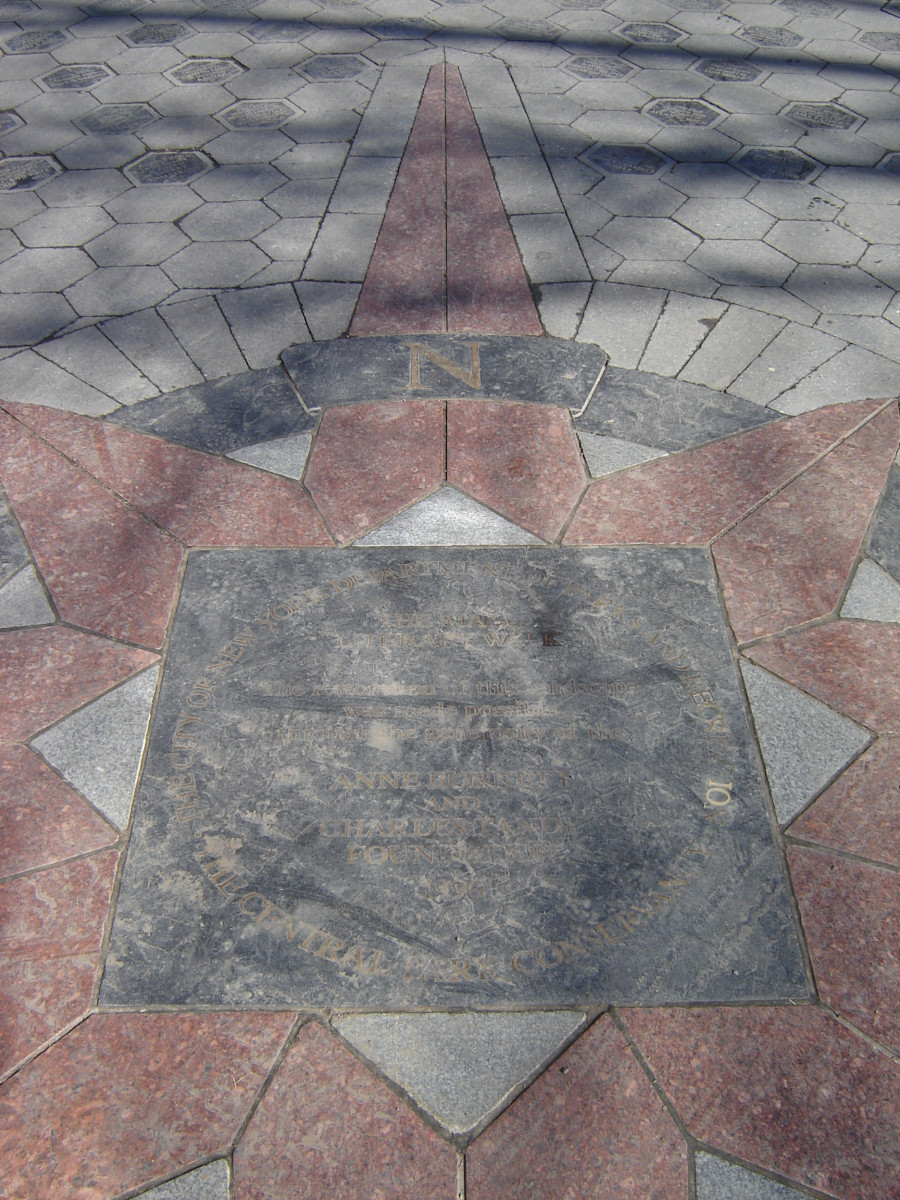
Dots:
pixel 454 779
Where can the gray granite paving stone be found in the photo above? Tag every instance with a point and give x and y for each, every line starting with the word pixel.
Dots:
pixel 604 455
pixel 115 291
pixel 205 336
pixel 150 242
pixel 227 221
pixel 327 307
pixel 721 1180
pixel 204 1183
pixel 13 552
pixel 460 1067
pixel 264 320
pixel 620 318
pixel 28 379
pixel 163 202
pixel 364 185
pixel 790 356
pixel 23 602
pixel 724 218
pixel 737 339
pixel 742 262
pixel 215 264
pixel 64 227
pixel 146 340
pixel 448 518
pixel 285 456
pixel 343 248
pixel 684 323
pixel 93 358
pixel 884 543
pixel 44 270
pixel 879 336
pixel 852 374
pixel 873 595
pixel 549 249
pixel 561 306
pixel 98 749
pixel 799 768
pixel 648 237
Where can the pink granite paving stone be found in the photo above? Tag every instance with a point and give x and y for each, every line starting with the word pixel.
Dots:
pixel 787 1089
pixel 590 1126
pixel 789 561
pixel 107 567
pixel 403 290
pixel 203 500
pixel 689 498
pixel 326 1127
pixel 126 1099
pixel 860 812
pixel 850 665
pixel 42 818
pixel 520 459
pixel 51 929
pixel 369 460
pixel 487 289
pixel 852 906
pixel 48 672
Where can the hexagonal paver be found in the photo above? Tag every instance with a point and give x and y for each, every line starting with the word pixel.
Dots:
pixel 245 146
pixel 161 33
pixel 77 78
pixel 624 160
pixel 333 66
pixel 64 227
pixel 73 189
pixel 684 112
pixel 651 32
pixel 776 164
pixel 743 263
pixel 168 166
pixel 215 264
pixel 99 150
pixel 113 291
pixel 724 218
pixel 44 270
pixel 35 41
pixel 230 221
pixel 590 66
pixel 816 242
pixel 257 114
pixel 117 118
pixel 727 70
pixel 769 35
pixel 18 173
pixel 240 181
pixel 205 70
pixel 887 43
pixel 279 31
pixel 179 133
pixel 146 244
pixel 822 116
pixel 839 289
pixel 648 238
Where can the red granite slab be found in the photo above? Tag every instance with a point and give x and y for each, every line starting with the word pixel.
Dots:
pixel 50 936
pixel 789 561
pixel 590 1126
pixel 852 923
pixel 403 290
pixel 788 1089
pixel 521 459
pixel 326 1127
pixel 48 672
pixel 42 818
pixel 129 1098
pixel 852 665
pixel 859 812
pixel 689 498
pixel 487 289
pixel 107 567
pixel 201 499
pixel 369 460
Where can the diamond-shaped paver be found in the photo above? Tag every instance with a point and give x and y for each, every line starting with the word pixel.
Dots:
pixel 727 70
pixel 160 33
pixel 888 43
pixel 684 112
pixel 257 114
pixel 770 35
pixel 591 66
pixel 168 166
pixel 34 41
pixel 117 118
pixel 776 164
pixel 77 78
pixel 651 32
pixel 19 173
pixel 8 121
pixel 205 70
pixel 334 66
pixel 822 116
pixel 624 160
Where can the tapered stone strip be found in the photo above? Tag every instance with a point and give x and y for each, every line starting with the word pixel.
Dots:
pixel 404 287
pixel 487 290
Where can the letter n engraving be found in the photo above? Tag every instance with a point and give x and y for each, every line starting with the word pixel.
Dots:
pixel 471 377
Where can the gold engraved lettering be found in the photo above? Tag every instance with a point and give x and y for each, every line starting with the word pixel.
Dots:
pixel 471 378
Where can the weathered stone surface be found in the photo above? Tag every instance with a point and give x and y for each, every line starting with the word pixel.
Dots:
pixel 458 778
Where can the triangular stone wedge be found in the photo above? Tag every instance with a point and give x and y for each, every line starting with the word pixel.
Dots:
pixel 718 1179
pixel 98 749
pixel 604 455
pixel 23 602
pixel 873 595
pixel 211 1182
pixel 284 456
pixel 448 518
pixel 804 743
pixel 460 1067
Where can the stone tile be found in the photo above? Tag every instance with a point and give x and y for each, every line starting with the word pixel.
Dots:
pixel 724 218
pixel 145 339
pixel 520 460
pixel 211 1182
pixel 606 455
pixel 549 248
pixel 526 185
pixel 448 518
pixel 62 227
pixel 792 354
pixel 27 319
pixel 736 340
pixel 342 251
pixel 620 318
pixel 852 374
pixel 858 813
pixel 13 551
pixel 718 1179
pixel 460 1067
pixel 23 602
pixel 300 197
pixel 884 543
pixel 114 291
pixel 215 264
pixel 560 1129
pixel 126 576
pixel 762 1084
pixel 798 767
pixel 873 595
pixel 239 181
pixel 285 456
pixel 561 306
pixel 369 460
pixel 134 245
pixel 202 500
pixel 289 240
pixel 789 561
pixel 98 749
pixel 681 328
pixel 663 501
pixel 227 220
pixel 91 357
pixel 203 333
pixel 320 1131
pixel 223 415
pixel 648 237
pixel 840 289
pixel 834 662
pixel 44 270
pixel 816 242
pixel 136 1096
pixel 872 333
pixel 845 903
pixel 264 321
pixel 53 930
pixel 743 263
pixel 26 375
